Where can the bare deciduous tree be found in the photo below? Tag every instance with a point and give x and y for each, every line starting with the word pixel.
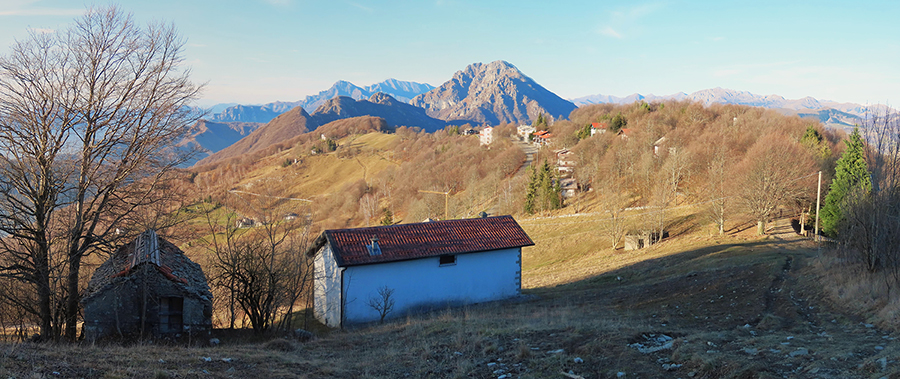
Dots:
pixel 716 189
pixel 103 104
pixel 264 270
pixel 383 302
pixel 368 206
pixel 772 170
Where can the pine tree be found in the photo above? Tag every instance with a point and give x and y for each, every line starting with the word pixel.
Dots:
pixel 388 218
pixel 851 173
pixel 618 122
pixel 540 123
pixel 814 141
pixel 543 190
pixel 530 190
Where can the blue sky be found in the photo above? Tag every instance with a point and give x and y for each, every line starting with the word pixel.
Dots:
pixel 259 51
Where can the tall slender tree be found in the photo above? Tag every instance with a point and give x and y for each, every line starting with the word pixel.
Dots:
pixel 851 174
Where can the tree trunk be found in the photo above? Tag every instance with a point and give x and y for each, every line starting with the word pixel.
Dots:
pixel 43 290
pixel 72 297
pixel 760 227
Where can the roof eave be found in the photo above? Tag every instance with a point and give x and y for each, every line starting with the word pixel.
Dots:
pixel 342 264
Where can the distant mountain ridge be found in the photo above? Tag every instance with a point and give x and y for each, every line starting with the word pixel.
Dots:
pixel 492 93
pixel 831 113
pixel 286 126
pixel 394 112
pixel 398 89
pixel 290 124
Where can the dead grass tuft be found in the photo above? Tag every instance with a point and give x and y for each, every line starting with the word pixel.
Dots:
pixel 852 287
pixel 280 344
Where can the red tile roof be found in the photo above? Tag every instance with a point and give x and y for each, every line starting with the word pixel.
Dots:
pixel 427 239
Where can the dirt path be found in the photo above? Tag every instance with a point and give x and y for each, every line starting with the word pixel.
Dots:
pixel 762 315
pixel 530 154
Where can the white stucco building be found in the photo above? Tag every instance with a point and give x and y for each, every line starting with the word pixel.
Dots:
pixel 486 136
pixel 427 265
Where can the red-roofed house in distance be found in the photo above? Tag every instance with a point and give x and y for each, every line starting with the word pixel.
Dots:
pixel 424 265
pixel 542 137
pixel 147 288
pixel 598 128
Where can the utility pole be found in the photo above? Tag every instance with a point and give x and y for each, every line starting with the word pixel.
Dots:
pixel 446 201
pixel 818 202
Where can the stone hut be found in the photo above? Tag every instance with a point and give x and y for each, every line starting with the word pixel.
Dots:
pixel 147 288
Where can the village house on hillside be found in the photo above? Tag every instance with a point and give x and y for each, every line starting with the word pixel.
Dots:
pixel 422 266
pixel 523 131
pixel 148 287
pixel 486 136
pixel 565 164
pixel 542 137
pixel 598 128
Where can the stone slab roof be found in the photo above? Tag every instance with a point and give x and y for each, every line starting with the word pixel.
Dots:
pixel 149 249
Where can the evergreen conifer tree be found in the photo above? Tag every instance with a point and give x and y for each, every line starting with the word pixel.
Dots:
pixel 543 189
pixel 530 190
pixel 851 173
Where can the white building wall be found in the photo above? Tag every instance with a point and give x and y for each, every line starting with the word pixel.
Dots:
pixel 487 135
pixel 421 284
pixel 327 289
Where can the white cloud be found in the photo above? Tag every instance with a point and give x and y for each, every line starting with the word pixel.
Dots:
pixel 42 12
pixel 42 30
pixel 610 32
pixel 626 19
pixel 360 6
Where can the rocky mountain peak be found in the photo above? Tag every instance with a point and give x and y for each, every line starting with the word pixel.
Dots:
pixel 492 93
pixel 382 98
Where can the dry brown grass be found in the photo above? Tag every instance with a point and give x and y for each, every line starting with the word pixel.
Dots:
pixel 737 306
pixel 856 289
pixel 697 289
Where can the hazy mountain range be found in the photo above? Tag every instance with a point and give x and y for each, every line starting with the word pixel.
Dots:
pixel 491 93
pixel 831 113
pixel 400 90
pixel 479 94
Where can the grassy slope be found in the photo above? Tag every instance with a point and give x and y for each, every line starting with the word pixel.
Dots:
pixel 323 174
pixel 738 306
pixel 582 297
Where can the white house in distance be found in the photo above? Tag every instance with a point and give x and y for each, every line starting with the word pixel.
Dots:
pixel 486 135
pixel 427 265
pixel 523 131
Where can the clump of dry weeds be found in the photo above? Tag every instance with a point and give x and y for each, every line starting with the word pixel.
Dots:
pixel 853 288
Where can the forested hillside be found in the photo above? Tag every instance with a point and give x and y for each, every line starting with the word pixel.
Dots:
pixel 744 164
pixel 357 169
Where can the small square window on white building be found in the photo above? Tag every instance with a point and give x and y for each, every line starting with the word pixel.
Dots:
pixel 448 260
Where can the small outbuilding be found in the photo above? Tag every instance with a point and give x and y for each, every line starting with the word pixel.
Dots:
pixel 147 288
pixel 419 266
